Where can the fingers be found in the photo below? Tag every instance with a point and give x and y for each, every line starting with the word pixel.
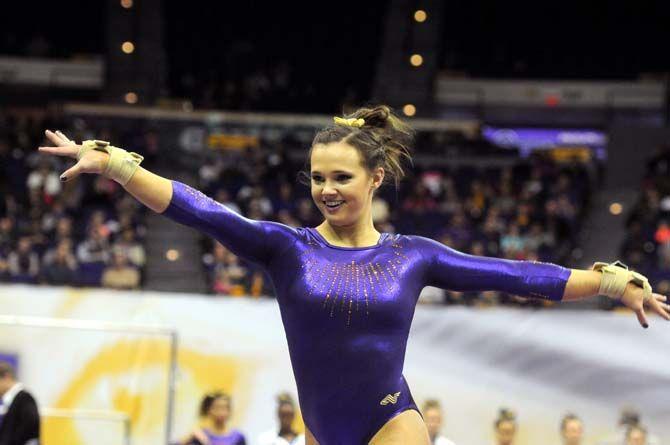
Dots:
pixel 68 150
pixel 661 309
pixel 642 318
pixel 65 138
pixel 71 173
pixel 58 138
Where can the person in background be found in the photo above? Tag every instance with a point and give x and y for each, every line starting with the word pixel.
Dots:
pixel 24 264
pixel 636 435
pixel 213 428
pixel 60 264
pixel 121 275
pixel 432 415
pixel 284 434
pixel 505 427
pixel 629 417
pixel 19 417
pixel 572 430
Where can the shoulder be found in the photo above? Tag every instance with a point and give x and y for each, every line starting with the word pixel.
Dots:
pixel 422 244
pixel 24 396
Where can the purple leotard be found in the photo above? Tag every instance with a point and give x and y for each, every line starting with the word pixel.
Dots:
pixel 232 438
pixel 347 310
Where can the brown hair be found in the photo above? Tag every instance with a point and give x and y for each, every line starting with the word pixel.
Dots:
pixel 505 415
pixel 209 400
pixel 384 140
pixel 285 398
pixel 431 403
pixel 569 417
pixel 7 370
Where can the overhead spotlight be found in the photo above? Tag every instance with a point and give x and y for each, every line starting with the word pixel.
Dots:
pixel 127 4
pixel 409 110
pixel 130 97
pixel 420 15
pixel 416 60
pixel 128 47
pixel 616 208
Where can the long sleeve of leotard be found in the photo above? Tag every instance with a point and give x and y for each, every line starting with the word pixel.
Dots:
pixel 256 241
pixel 450 269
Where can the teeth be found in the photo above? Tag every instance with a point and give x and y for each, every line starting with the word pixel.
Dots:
pixel 333 203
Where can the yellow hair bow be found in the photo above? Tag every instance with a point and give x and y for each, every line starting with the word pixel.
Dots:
pixel 351 122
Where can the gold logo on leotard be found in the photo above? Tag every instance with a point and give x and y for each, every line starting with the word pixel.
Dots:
pixel 392 399
pixel 353 286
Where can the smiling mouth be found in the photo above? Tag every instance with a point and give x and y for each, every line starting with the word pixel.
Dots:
pixel 333 204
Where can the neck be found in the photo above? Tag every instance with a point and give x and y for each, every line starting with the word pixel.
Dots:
pixel 358 235
pixel 217 427
pixel 286 431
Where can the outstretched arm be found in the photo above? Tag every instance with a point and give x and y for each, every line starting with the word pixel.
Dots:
pixel 451 269
pixel 255 241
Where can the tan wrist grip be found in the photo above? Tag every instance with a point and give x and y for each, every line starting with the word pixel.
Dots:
pixel 615 278
pixel 121 165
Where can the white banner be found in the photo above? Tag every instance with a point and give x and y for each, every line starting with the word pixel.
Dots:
pixel 539 363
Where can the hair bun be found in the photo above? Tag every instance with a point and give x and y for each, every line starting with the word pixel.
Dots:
pixel 506 414
pixel 376 117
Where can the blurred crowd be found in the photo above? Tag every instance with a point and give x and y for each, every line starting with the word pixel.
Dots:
pixel 87 232
pixel 213 426
pixel 647 244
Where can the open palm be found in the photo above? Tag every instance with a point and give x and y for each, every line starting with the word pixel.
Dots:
pixel 92 161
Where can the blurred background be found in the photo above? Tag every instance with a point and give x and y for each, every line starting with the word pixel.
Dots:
pixel 543 133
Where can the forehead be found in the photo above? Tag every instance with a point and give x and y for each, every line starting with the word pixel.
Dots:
pixel 220 401
pixel 335 156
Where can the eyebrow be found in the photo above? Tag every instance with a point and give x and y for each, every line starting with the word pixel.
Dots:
pixel 336 171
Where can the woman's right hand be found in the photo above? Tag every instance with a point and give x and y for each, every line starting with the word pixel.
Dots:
pixel 93 161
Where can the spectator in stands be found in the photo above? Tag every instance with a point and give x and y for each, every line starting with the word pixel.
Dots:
pixel 4 268
pixel 121 275
pixel 505 427
pixel 93 254
pixel 60 264
pixel 24 264
pixel 7 234
pixel 284 433
pixel 132 249
pixel 213 427
pixel 44 180
pixel 231 277
pixel 432 415
pixel 662 238
pixel 572 430
pixel 513 243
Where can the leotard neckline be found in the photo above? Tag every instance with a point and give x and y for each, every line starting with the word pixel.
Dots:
pixel 316 233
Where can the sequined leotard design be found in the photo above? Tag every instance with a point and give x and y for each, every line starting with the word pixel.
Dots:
pixel 347 311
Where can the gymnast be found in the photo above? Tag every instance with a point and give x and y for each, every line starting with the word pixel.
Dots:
pixel 346 292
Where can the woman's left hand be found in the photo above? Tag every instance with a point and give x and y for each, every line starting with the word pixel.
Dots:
pixel 633 297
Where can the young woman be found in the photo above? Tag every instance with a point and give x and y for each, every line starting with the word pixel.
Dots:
pixel 505 427
pixel 284 434
pixel 213 428
pixel 346 292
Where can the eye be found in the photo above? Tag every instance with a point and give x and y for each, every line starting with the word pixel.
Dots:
pixel 316 178
pixel 343 178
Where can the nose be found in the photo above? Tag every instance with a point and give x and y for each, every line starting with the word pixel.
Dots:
pixel 329 189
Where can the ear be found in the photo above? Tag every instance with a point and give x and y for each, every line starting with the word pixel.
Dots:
pixel 377 177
